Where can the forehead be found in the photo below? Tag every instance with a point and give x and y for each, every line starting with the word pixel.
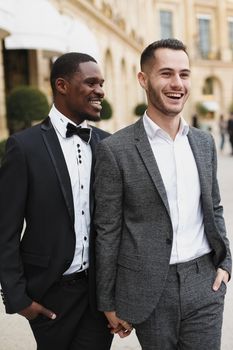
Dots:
pixel 89 69
pixel 173 59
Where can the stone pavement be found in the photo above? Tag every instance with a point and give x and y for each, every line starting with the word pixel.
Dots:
pixel 15 333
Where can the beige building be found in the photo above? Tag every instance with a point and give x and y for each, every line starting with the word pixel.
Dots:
pixel 115 32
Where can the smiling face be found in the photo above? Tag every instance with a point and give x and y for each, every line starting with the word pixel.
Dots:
pixel 166 80
pixel 81 95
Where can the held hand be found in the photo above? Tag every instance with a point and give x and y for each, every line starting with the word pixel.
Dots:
pixel 222 276
pixel 125 330
pixel 33 310
pixel 112 319
pixel 117 325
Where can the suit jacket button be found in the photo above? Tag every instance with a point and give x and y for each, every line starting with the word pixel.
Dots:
pixel 168 241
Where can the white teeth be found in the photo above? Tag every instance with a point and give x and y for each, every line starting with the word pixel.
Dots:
pixel 174 95
pixel 96 102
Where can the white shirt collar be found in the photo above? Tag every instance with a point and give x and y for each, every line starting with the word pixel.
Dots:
pixel 152 128
pixel 60 121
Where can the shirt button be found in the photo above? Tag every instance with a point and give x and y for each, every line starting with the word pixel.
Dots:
pixel 84 263
pixel 80 162
pixel 78 145
pixel 81 186
pixel 85 238
pixel 82 212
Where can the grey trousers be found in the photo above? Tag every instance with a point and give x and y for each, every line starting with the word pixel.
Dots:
pixel 189 313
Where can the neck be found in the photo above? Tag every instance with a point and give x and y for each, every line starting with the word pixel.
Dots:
pixel 170 124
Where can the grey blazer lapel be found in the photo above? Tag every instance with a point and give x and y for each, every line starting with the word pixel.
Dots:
pixel 56 154
pixel 200 149
pixel 146 153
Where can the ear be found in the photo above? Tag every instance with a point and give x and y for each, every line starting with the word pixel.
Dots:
pixel 142 78
pixel 61 86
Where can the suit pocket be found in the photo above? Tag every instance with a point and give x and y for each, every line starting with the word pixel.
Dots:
pixel 35 259
pixel 129 262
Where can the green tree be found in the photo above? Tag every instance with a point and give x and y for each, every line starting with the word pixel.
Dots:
pixel 25 104
pixel 106 111
pixel 140 109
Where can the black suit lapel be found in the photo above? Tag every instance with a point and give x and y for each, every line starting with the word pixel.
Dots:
pixel 95 138
pixel 56 154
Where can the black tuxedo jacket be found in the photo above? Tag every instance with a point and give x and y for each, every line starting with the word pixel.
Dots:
pixel 36 199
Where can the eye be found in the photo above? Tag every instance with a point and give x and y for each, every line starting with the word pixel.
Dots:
pixel 166 74
pixel 91 84
pixel 185 75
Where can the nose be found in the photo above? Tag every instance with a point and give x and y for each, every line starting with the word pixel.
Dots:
pixel 176 81
pixel 99 91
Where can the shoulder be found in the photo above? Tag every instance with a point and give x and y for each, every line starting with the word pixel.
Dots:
pixel 200 134
pixel 121 137
pixel 27 137
pixel 31 131
pixel 101 133
pixel 202 140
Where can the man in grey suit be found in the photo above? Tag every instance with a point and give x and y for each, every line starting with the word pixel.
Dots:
pixel 163 258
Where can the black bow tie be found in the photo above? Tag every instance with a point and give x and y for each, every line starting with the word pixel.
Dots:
pixel 83 133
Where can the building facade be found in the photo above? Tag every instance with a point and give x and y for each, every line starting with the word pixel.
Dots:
pixel 115 32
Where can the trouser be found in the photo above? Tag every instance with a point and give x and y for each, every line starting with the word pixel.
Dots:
pixel 189 313
pixel 75 327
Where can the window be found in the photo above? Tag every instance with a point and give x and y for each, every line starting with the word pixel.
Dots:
pixel 16 68
pixel 230 31
pixel 204 36
pixel 208 88
pixel 166 24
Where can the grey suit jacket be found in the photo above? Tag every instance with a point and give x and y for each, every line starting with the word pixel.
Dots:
pixel 133 223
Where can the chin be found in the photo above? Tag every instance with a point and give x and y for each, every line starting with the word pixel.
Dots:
pixel 93 118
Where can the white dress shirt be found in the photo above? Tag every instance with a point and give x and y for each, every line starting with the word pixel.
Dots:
pixel 179 173
pixel 78 158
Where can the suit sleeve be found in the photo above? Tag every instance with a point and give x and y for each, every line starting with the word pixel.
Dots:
pixel 226 264
pixel 108 224
pixel 13 195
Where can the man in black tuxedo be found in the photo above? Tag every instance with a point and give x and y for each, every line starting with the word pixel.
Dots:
pixel 47 269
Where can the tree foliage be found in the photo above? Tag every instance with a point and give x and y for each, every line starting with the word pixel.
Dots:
pixel 25 104
pixel 140 109
pixel 106 111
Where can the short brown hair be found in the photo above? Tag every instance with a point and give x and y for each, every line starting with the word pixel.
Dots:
pixel 148 52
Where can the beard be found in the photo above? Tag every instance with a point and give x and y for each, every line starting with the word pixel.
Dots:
pixel 89 117
pixel 160 105
pixel 92 118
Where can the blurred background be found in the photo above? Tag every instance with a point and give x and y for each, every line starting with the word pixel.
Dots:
pixel 34 32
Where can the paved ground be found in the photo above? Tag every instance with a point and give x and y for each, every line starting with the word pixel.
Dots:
pixel 15 333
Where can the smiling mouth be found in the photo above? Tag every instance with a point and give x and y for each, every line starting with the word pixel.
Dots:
pixel 174 95
pixel 96 103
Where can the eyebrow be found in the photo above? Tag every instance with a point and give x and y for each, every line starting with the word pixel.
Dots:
pixel 171 70
pixel 94 78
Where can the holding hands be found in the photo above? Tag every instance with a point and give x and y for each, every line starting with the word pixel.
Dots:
pixel 122 328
